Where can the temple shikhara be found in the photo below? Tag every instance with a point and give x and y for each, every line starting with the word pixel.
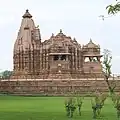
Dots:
pixel 59 57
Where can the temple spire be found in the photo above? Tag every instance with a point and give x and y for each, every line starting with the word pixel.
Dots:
pixel 28 33
pixel 60 30
pixel 90 40
pixel 27 14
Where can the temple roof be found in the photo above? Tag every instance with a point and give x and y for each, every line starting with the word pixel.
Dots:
pixel 27 14
pixel 91 45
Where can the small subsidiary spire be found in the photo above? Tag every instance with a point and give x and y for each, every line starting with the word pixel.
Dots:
pixel 52 34
pixel 90 40
pixel 60 30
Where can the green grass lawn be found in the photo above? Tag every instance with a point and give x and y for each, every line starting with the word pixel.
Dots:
pixel 47 108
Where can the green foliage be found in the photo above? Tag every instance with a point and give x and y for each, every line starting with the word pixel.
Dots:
pixel 97 104
pixel 114 97
pixel 6 74
pixel 79 103
pixel 116 101
pixel 107 63
pixel 117 106
pixel 107 57
pixel 113 9
pixel 70 106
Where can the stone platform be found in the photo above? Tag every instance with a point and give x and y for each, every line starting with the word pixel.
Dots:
pixel 55 87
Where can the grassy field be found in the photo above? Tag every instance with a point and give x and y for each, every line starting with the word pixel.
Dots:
pixel 47 108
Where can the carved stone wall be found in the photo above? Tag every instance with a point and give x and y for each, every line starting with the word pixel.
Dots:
pixel 55 87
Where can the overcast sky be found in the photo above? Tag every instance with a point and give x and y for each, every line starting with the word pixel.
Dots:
pixel 77 18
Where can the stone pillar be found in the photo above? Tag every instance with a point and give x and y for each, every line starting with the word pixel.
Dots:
pixel 40 59
pixel 98 58
pixel 79 59
pixel 29 60
pixel 32 59
pixel 91 58
pixel 19 60
pixel 47 64
pixel 75 58
pixel 22 59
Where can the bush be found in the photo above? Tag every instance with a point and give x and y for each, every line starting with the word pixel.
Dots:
pixel 97 104
pixel 72 103
pixel 79 104
pixel 116 101
pixel 70 106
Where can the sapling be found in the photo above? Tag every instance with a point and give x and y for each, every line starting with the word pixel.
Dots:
pixel 97 104
pixel 107 58
pixel 67 107
pixel 79 103
pixel 94 109
pixel 103 97
pixel 114 97
pixel 70 106
pixel 117 105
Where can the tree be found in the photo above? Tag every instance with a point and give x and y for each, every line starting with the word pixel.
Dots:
pixel 113 9
pixel 6 74
pixel 107 57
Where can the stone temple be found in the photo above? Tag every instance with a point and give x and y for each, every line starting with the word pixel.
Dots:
pixel 57 66
pixel 59 57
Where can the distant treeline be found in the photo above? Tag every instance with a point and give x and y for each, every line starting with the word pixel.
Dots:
pixel 5 74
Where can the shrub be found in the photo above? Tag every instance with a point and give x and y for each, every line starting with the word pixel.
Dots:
pixel 70 106
pixel 97 104
pixel 79 104
pixel 116 101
